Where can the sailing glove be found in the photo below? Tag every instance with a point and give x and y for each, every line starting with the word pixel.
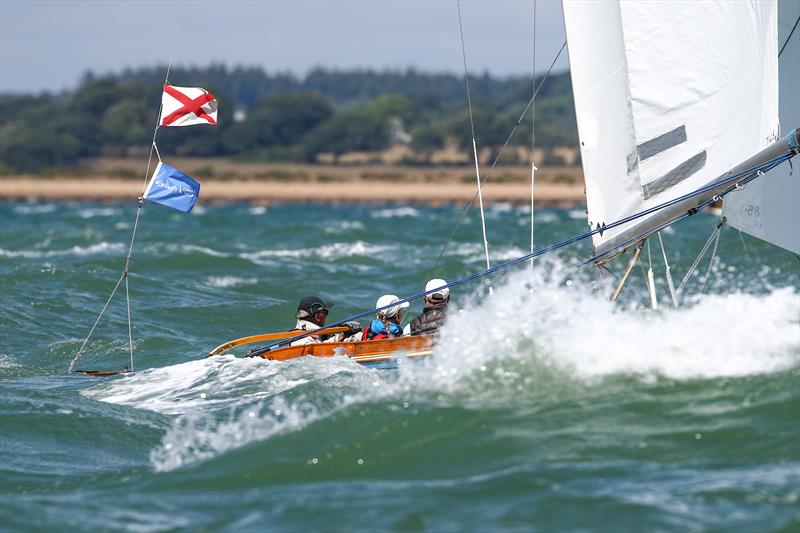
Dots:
pixel 354 326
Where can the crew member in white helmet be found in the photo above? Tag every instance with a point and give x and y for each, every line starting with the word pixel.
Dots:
pixel 387 324
pixel 435 312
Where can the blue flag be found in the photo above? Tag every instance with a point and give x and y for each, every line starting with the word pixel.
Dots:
pixel 172 188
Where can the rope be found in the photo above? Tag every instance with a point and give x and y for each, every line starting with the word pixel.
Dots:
pixel 745 175
pixel 496 160
pixel 472 128
pixel 651 281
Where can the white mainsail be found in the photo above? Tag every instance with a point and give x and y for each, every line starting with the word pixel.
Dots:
pixel 668 97
pixel 769 208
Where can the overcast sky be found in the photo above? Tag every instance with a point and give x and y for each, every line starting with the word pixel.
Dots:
pixel 48 45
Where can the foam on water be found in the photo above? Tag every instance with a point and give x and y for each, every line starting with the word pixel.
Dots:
pixel 34 209
pixel 571 325
pixel 93 212
pixel 395 212
pixel 229 281
pixel 327 251
pixel 194 438
pixel 6 361
pixel 343 226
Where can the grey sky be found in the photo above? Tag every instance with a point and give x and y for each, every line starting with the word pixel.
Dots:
pixel 49 44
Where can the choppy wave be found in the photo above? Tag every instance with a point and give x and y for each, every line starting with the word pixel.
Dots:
pixel 541 397
pixel 94 249
pixel 540 330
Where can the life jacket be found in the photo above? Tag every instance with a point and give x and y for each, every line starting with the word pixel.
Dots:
pixel 377 330
pixel 431 319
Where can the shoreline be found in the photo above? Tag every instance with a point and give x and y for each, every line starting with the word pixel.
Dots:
pixel 29 188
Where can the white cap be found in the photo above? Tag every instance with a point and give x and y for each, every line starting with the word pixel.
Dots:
pixel 389 299
pixel 440 295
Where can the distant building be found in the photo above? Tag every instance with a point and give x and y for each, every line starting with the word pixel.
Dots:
pixel 397 132
pixel 239 115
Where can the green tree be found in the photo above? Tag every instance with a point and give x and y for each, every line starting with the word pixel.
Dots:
pixel 123 124
pixel 348 131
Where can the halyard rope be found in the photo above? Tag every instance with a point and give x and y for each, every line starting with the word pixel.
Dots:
pixel 472 128
pixel 496 160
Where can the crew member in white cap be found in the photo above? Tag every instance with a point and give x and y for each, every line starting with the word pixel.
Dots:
pixel 387 324
pixel 435 312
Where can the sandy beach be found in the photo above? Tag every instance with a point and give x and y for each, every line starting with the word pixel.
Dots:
pixel 223 180
pixel 105 189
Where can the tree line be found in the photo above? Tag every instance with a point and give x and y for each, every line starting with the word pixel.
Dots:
pixel 280 117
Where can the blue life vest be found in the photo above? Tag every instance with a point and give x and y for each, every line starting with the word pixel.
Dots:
pixel 377 327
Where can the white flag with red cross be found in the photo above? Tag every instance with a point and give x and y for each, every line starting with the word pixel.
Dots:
pixel 187 106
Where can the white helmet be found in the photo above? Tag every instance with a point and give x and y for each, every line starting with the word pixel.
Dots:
pixel 442 295
pixel 389 299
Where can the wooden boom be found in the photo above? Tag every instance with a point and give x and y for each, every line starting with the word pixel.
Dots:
pixel 222 348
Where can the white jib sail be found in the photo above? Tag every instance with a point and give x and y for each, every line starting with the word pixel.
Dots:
pixel 668 96
pixel 769 208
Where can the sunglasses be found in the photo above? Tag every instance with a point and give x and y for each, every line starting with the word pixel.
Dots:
pixel 317 308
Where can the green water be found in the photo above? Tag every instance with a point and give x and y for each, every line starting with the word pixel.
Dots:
pixel 545 408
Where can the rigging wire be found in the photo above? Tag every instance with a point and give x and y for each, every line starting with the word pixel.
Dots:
pixel 497 158
pixel 789 37
pixel 713 257
pixel 533 129
pixel 102 311
pixel 731 181
pixel 699 256
pixel 140 202
pixel 472 128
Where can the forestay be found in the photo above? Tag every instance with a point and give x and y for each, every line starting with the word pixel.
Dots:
pixel 668 97
pixel 770 208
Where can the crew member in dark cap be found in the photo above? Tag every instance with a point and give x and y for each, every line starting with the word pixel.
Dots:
pixel 311 314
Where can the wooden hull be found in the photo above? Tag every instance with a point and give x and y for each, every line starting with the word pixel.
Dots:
pixel 372 353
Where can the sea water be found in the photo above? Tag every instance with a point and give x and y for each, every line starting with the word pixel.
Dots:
pixel 544 408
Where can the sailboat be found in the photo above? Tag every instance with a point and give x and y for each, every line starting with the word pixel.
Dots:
pixel 678 104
